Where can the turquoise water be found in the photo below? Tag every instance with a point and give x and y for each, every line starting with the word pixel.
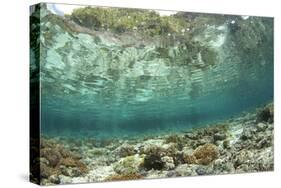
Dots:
pixel 162 114
pixel 93 86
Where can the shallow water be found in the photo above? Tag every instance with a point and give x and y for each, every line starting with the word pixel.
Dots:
pixel 93 86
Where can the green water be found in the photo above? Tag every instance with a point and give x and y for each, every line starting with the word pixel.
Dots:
pixel 100 82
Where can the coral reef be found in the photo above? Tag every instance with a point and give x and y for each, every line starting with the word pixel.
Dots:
pixel 153 161
pixel 266 114
pixel 126 150
pixel 206 154
pixel 128 165
pixel 242 144
pixel 56 160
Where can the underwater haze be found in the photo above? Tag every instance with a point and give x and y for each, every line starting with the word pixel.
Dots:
pixel 108 72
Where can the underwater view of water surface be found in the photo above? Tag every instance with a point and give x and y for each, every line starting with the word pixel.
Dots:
pixel 149 94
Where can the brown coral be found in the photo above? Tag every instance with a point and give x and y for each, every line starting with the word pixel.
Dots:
pixel 122 177
pixel 46 171
pixel 70 162
pixel 54 159
pixel 190 159
pixel 173 139
pixel 206 154
pixel 203 155
pixel 52 155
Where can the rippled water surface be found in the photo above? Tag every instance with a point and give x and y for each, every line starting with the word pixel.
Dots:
pixel 107 84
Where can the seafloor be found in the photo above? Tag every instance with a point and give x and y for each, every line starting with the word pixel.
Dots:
pixel 238 145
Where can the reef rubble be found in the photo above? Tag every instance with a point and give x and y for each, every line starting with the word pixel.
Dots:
pixel 238 145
